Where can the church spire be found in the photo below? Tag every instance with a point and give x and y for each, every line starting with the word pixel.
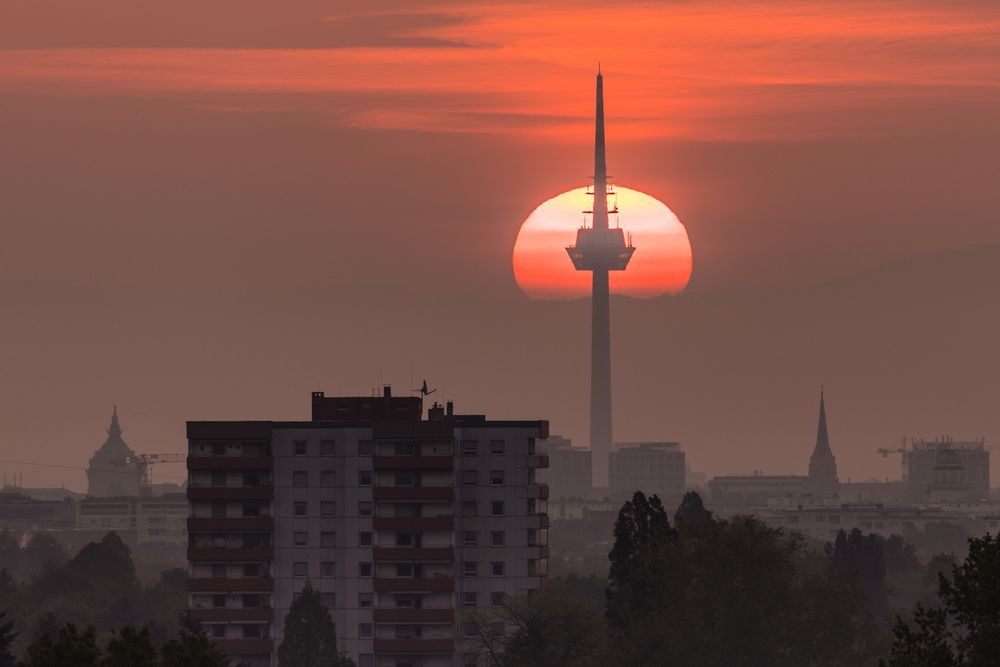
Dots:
pixel 114 431
pixel 823 464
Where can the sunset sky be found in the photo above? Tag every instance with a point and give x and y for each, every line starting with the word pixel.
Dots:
pixel 209 209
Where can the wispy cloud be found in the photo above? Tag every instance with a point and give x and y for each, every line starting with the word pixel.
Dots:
pixel 699 70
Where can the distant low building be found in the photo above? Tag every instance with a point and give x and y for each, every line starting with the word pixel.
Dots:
pixel 946 470
pixel 137 520
pixel 651 467
pixel 570 471
pixel 109 473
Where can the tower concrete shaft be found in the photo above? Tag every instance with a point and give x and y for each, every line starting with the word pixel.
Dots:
pixel 600 249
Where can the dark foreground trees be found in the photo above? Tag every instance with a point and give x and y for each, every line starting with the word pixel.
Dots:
pixel 727 592
pixel 964 630
pixel 310 636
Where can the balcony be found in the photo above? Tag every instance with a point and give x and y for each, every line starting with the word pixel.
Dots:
pixel 413 584
pixel 245 646
pixel 540 520
pixel 414 615
pixel 221 585
pixel 413 463
pixel 229 462
pixel 221 554
pixel 414 554
pixel 538 461
pixel 229 523
pixel 230 493
pixel 414 645
pixel 540 491
pixel 246 615
pixel 413 524
pixel 413 493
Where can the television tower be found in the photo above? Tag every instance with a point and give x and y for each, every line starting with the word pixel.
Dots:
pixel 600 248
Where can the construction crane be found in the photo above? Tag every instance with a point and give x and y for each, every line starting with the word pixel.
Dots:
pixel 142 462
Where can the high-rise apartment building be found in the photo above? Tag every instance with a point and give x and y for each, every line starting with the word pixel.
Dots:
pixel 401 523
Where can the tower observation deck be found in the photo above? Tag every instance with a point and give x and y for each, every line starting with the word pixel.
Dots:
pixel 600 248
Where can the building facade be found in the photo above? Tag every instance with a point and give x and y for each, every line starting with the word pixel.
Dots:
pixel 137 520
pixel 401 523
pixel 650 467
pixel 570 471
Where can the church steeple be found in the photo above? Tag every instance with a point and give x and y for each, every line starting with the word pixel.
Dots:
pixel 823 464
pixel 114 431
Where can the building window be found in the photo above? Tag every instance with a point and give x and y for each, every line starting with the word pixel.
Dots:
pixel 365 539
pixel 409 570
pixel 366 448
pixel 365 508
pixel 496 508
pixel 250 570
pixel 404 539
pixel 468 508
pixel 405 449
pixel 496 447
pixel 496 568
pixel 299 448
pixel 365 600
pixel 469 538
pixel 300 479
pixel 496 538
pixel 532 537
pixel 300 569
pixel 218 449
pixel 218 631
pixel 532 567
pixel 469 477
pixel 470 568
pixel 327 478
pixel 469 447
pixel 253 631
pixel 405 479
pixel 469 599
pixel 496 477
pixel 328 540
pixel 365 630
pixel 365 569
pixel 218 601
pixel 328 568
pixel 327 508
pixel 300 508
pixel 407 602
pixel 327 448
pixel 364 478
pixel 496 599
pixel 300 538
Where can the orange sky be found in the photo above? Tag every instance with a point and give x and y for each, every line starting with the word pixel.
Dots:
pixel 208 209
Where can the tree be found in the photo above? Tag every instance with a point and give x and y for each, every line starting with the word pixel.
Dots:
pixel 192 648
pixel 862 557
pixel 45 550
pixel 106 563
pixel 964 631
pixel 642 531
pixel 733 593
pixel 130 647
pixel 72 648
pixel 7 637
pixel 310 637
pixel 552 628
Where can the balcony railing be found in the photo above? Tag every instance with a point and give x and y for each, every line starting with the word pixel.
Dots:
pixel 413 463
pixel 229 462
pixel 415 645
pixel 413 584
pixel 225 585
pixel 230 493
pixel 234 523
pixel 414 554
pixel 413 523
pixel 244 554
pixel 245 615
pixel 414 616
pixel 413 493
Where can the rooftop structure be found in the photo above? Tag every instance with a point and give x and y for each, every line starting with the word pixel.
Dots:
pixel 600 248
pixel 109 474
